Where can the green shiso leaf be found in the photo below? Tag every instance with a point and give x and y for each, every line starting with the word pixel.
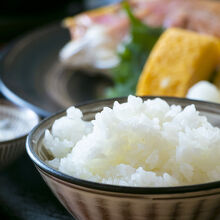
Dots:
pixel 132 55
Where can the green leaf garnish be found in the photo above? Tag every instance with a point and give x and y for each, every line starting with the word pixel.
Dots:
pixel 133 55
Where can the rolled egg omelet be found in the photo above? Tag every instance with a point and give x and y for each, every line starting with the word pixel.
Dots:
pixel 179 59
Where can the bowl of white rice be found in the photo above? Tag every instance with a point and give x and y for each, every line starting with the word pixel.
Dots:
pixel 132 158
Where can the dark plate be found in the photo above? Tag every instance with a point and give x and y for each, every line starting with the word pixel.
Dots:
pixel 32 76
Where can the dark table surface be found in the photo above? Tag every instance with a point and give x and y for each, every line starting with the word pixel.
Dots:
pixel 24 194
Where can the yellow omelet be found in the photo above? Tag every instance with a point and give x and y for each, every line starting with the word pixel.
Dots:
pixel 178 60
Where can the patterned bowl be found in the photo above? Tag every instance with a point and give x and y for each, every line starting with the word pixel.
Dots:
pixel 95 201
pixel 15 123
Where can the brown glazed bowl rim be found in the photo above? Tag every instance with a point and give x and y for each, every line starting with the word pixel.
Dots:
pixel 206 106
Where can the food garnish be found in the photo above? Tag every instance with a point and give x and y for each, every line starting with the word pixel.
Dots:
pixel 132 55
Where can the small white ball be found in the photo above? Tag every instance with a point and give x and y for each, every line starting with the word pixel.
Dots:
pixel 205 91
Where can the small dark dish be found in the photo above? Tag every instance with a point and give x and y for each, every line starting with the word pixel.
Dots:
pixel 17 122
pixel 89 200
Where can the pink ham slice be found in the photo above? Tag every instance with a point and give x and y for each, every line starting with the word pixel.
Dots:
pixel 202 16
pixel 199 15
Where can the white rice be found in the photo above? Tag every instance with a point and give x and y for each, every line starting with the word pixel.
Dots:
pixel 137 144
